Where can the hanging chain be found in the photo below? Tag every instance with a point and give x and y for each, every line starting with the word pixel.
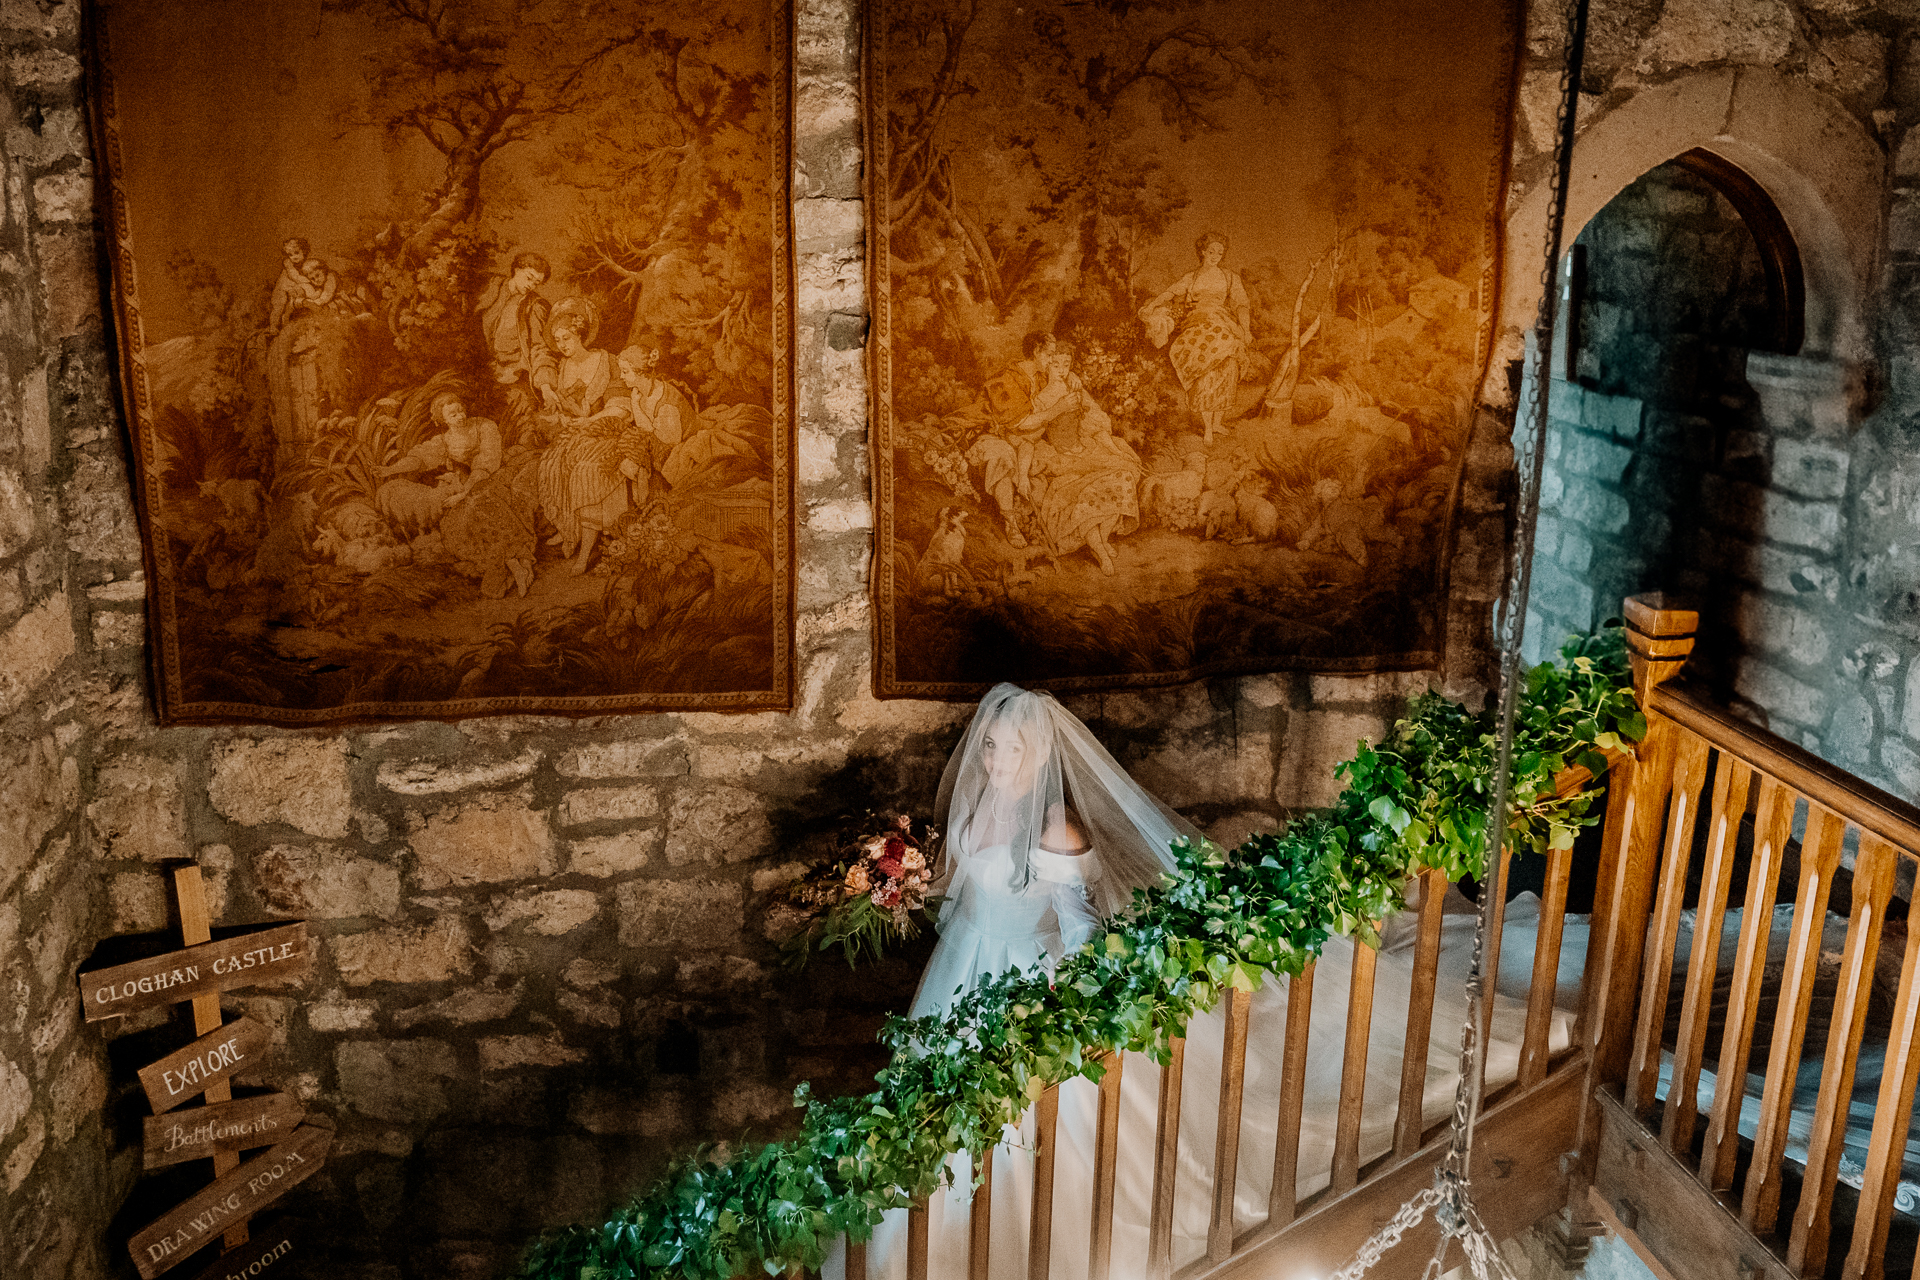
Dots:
pixel 1450 1195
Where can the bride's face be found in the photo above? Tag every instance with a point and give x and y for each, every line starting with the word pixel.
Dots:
pixel 1005 755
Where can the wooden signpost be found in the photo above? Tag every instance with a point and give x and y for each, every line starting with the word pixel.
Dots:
pixel 265 1251
pixel 222 1127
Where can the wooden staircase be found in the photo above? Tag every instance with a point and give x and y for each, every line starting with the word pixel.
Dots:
pixel 1587 1127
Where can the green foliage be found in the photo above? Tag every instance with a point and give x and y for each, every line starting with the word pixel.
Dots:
pixel 1222 920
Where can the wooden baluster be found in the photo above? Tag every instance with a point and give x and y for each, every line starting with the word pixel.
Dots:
pixel 856 1259
pixel 1659 637
pixel 1536 1046
pixel 1613 840
pixel 1283 1199
pixel 1166 1162
pixel 1773 820
pixel 1632 888
pixel 1496 933
pixel 1891 1117
pixel 917 1241
pixel 1226 1137
pixel 1105 1162
pixel 980 1220
pixel 1046 1116
pixel 1353 1069
pixel 1819 859
pixel 1731 780
pixel 196 926
pixel 1689 775
pixel 1873 872
pixel 1409 1121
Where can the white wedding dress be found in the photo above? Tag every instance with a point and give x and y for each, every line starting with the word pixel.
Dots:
pixel 1021 904
pixel 1012 1192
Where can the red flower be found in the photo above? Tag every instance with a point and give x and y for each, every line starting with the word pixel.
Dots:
pixel 889 867
pixel 895 848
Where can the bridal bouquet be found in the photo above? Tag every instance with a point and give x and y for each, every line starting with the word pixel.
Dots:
pixel 868 898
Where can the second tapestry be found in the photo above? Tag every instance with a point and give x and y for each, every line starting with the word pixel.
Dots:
pixel 1180 310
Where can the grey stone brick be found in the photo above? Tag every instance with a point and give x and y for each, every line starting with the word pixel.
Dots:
pixel 1775 628
pixel 1594 456
pixel 1810 468
pixel 1779 694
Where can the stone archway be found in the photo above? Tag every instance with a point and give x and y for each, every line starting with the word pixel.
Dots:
pixel 1818 165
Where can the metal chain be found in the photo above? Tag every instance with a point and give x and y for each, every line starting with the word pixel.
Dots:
pixel 1388 1236
pixel 1449 1197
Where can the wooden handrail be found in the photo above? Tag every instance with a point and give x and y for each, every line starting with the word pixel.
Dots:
pixel 1855 799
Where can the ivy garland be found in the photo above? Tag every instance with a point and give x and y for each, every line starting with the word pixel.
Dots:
pixel 1222 921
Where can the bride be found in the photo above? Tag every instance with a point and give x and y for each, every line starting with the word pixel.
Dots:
pixel 1046 837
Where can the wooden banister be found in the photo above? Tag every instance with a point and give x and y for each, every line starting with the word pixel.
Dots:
pixel 1046 1123
pixel 1283 1200
pixel 1855 799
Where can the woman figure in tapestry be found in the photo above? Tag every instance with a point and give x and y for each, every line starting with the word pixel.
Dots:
pixel 1208 315
pixel 577 429
pixel 1092 476
pixel 479 499
pixel 603 467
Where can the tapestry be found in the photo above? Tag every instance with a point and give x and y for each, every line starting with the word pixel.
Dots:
pixel 455 342
pixel 1181 309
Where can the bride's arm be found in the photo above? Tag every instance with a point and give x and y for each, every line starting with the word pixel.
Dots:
pixel 1066 864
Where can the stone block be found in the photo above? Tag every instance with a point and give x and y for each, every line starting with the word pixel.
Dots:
pixel 614 855
pixel 433 952
pixel 1576 551
pixel 752 1104
pixel 1799 524
pixel 491 838
pixel 1771 627
pixel 341 1015
pixel 667 913
pixel 1619 416
pixel 1599 510
pixel 1850 733
pixel 1910 702
pixel 1558 592
pixel 395 1080
pixel 1779 694
pixel 503 1053
pixel 140 811
pixel 488 1003
pixel 64 197
pixel 607 1111
pixel 119 630
pixel 96 515
pixel 323 883
pixel 823 224
pixel 429 777
pixel 584 973
pixel 609 804
pixel 549 914
pixel 137 903
pixel 1903 763
pixel 1317 741
pixel 33 649
pixel 16 1097
pixel 634 758
pixel 301 782
pixel 32 1142
pixel 841 515
pixel 1595 457
pixel 717 824
pixel 1205 769
pixel 1810 468
pixel 594 1013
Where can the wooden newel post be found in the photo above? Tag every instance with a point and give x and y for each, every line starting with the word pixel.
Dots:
pixel 1660 637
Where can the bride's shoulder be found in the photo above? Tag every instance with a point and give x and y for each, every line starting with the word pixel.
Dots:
pixel 1062 832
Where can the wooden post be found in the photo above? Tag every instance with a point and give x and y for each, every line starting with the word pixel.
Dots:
pixel 1226 1138
pixel 196 926
pixel 1659 638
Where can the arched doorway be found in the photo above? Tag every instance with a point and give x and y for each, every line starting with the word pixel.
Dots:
pixel 1658 439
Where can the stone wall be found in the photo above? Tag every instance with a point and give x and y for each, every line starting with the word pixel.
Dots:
pixel 545 964
pixel 1779 491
